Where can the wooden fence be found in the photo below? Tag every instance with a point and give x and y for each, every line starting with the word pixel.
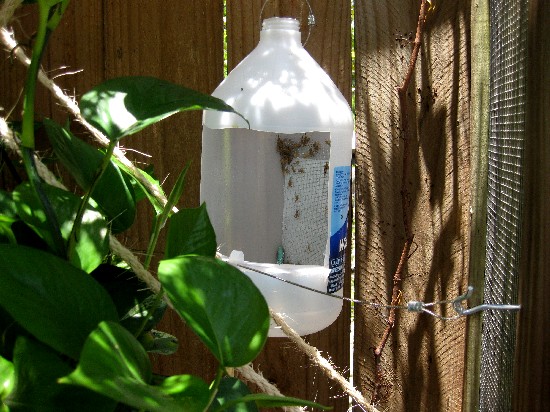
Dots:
pixel 183 42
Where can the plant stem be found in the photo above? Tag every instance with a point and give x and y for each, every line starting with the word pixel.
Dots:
pixel 40 40
pixel 161 218
pixel 45 27
pixel 36 185
pixel 214 387
pixel 27 131
pixel 150 311
pixel 153 241
pixel 73 238
pixel 405 203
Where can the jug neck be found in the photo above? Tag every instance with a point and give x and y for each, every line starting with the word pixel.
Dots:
pixel 283 30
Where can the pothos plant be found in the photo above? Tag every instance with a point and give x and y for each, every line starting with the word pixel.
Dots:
pixel 76 324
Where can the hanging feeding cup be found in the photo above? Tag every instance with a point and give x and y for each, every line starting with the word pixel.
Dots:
pixel 277 193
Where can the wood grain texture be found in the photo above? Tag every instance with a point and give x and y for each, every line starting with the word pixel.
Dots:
pixel 330 44
pixel 479 136
pixel 180 42
pixel 423 361
pixel 532 367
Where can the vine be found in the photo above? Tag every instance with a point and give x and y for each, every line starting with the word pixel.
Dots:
pixel 405 203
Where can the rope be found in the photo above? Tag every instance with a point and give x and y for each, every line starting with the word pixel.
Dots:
pixel 324 364
pixel 249 374
pixel 7 10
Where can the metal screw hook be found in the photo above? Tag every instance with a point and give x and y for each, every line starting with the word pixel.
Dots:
pixel 417 306
pixel 457 305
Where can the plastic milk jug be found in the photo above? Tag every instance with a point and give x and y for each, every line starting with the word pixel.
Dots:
pixel 277 193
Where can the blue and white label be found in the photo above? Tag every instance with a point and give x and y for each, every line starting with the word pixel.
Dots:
pixel 338 227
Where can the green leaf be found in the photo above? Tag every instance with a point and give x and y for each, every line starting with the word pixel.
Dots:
pixel 10 330
pixel 7 205
pixel 190 392
pixel 190 232
pixel 8 215
pixel 177 192
pixel 139 189
pixel 162 217
pixel 53 300
pixel 92 245
pixel 270 401
pixel 7 378
pixel 37 369
pixel 132 298
pixel 234 396
pixel 229 391
pixel 113 193
pixel 115 364
pixel 6 232
pixel 159 342
pixel 221 304
pixel 125 105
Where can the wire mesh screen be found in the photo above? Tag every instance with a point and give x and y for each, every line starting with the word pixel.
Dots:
pixel 505 157
pixel 305 212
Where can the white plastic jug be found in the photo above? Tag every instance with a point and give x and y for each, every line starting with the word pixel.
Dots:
pixel 279 191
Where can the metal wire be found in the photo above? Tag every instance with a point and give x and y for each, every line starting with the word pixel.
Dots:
pixel 411 306
pixel 508 22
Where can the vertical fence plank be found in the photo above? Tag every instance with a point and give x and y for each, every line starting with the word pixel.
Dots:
pixel 330 44
pixel 180 42
pixel 423 361
pixel 479 112
pixel 77 46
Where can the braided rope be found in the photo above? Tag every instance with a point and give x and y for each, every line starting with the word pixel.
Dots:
pixel 324 364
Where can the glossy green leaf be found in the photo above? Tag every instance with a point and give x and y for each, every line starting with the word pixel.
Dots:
pixel 221 304
pixel 234 396
pixel 7 205
pixel 125 105
pixel 8 215
pixel 190 232
pixel 6 232
pixel 190 392
pixel 140 190
pixel 115 364
pixel 132 298
pixel 7 378
pixel 176 193
pixel 113 193
pixel 229 396
pixel 159 342
pixel 37 369
pixel 161 218
pixel 10 330
pixel 262 400
pixel 92 245
pixel 49 297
